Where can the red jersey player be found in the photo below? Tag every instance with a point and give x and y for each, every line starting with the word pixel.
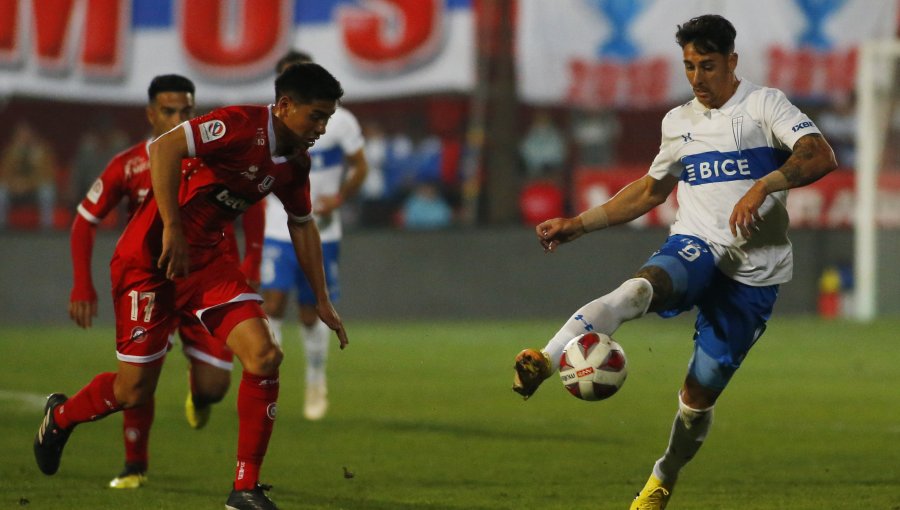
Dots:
pixel 169 261
pixel 127 177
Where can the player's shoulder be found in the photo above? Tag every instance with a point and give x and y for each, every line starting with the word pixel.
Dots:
pixel 129 156
pixel 678 115
pixel 760 94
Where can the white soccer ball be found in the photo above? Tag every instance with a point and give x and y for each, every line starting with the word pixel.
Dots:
pixel 593 366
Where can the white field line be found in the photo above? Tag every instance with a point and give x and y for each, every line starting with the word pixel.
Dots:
pixel 31 400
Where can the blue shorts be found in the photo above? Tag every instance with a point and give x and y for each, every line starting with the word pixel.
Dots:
pixel 281 271
pixel 732 315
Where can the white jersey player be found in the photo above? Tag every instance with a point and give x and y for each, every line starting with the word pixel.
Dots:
pixel 338 170
pixel 733 152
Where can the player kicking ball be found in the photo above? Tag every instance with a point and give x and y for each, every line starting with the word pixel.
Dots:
pixel 127 177
pixel 732 152
pixel 169 261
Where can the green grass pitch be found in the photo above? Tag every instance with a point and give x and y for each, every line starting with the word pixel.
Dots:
pixel 423 416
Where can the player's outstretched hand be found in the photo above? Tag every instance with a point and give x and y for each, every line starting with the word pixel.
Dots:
pixel 745 215
pixel 174 257
pixel 83 312
pixel 552 233
pixel 331 318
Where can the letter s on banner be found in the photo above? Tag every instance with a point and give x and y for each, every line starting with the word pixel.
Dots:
pixel 392 35
pixel 257 43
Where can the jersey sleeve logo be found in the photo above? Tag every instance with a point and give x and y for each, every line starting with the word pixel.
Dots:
pixel 212 130
pixel 96 190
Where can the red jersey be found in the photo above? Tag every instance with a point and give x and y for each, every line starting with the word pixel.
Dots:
pixel 126 176
pixel 236 146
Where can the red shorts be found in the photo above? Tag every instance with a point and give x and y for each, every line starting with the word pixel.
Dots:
pixel 148 307
pixel 199 344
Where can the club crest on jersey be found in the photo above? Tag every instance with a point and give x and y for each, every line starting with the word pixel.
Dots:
pixel 250 173
pixel 266 184
pixel 212 130
pixel 96 190
pixel 687 138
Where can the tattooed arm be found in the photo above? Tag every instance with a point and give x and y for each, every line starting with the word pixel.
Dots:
pixel 811 160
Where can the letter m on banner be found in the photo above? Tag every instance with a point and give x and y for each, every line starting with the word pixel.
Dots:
pixel 66 34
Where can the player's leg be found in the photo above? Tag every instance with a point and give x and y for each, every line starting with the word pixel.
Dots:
pixel 660 285
pixel 604 315
pixel 732 318
pixel 109 392
pixel 249 337
pixel 142 318
pixel 316 335
pixel 278 271
pixel 136 424
pixel 209 373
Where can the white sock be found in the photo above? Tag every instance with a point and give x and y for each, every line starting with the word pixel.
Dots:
pixel 275 327
pixel 688 432
pixel 603 315
pixel 315 343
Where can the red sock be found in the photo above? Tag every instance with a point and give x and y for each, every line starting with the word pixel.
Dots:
pixel 256 416
pixel 92 402
pixel 136 431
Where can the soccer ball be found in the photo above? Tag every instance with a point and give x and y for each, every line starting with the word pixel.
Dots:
pixel 593 366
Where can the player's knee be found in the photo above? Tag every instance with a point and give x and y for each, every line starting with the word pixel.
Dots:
pixel 692 417
pixel 264 361
pixel 640 291
pixel 660 284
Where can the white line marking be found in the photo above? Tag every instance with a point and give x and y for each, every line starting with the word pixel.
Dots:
pixel 34 400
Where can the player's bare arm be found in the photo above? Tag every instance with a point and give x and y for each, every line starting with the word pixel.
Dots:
pixel 166 153
pixel 812 159
pixel 633 201
pixel 308 248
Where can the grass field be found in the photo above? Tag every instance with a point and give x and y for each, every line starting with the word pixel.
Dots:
pixel 423 415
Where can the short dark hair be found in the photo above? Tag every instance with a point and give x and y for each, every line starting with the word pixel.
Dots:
pixel 290 58
pixel 709 33
pixel 169 83
pixel 306 83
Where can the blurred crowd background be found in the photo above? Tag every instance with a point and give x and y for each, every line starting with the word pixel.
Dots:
pixel 494 153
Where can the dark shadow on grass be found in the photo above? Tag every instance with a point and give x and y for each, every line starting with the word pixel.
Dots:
pixel 476 431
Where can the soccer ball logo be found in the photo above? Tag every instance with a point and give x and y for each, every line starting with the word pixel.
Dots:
pixel 593 366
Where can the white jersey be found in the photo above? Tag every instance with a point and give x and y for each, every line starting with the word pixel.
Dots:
pixel 718 155
pixel 342 136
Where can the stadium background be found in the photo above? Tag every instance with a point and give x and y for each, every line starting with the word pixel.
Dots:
pixel 458 88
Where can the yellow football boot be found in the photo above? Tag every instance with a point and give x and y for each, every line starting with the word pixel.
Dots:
pixel 654 496
pixel 532 367
pixel 196 418
pixel 130 478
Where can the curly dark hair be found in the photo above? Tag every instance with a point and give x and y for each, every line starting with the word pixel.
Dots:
pixel 709 33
